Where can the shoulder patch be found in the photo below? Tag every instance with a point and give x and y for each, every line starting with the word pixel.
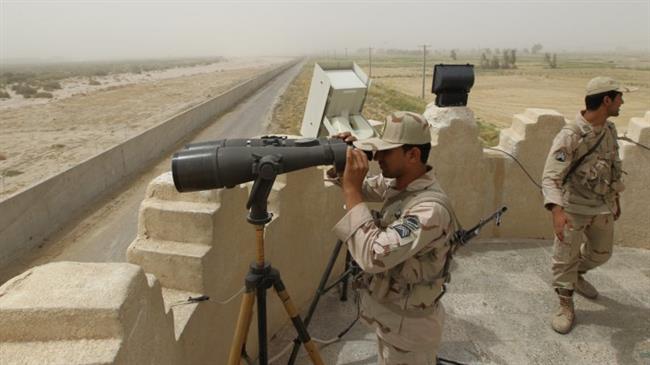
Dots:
pixel 402 230
pixel 412 222
pixel 560 156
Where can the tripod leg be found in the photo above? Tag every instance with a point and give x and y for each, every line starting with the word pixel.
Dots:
pixel 344 284
pixel 319 292
pixel 303 335
pixel 261 326
pixel 243 324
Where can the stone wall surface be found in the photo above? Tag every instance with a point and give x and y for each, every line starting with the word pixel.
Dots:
pixel 200 243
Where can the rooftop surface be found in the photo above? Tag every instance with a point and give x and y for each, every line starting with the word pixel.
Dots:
pixel 499 306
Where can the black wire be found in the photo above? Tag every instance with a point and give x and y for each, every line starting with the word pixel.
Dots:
pixel 345 331
pixel 518 163
pixel 443 361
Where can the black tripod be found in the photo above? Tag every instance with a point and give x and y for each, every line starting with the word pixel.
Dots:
pixel 351 269
pixel 262 276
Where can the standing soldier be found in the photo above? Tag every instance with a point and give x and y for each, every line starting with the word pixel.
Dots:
pixel 402 249
pixel 581 186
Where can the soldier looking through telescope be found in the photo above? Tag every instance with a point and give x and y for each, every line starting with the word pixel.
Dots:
pixel 402 249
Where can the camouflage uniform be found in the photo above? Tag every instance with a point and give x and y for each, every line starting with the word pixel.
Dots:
pixel 402 251
pixel 588 197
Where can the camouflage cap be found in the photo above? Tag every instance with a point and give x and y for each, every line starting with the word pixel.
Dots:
pixel 602 84
pixel 400 128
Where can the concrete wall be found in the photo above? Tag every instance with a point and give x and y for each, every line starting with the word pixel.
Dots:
pixel 633 228
pixel 31 215
pixel 200 243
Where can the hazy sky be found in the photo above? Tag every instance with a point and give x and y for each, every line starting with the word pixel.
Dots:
pixel 134 29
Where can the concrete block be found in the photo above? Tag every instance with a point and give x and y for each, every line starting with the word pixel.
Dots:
pixel 177 221
pixel 69 312
pixel 519 124
pixel 178 265
pixel 639 129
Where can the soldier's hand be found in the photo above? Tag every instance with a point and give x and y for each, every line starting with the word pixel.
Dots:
pixel 356 168
pixel 347 137
pixel 559 221
pixel 617 215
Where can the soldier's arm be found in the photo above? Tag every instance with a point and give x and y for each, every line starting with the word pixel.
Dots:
pixel 373 189
pixel 557 165
pixel 376 250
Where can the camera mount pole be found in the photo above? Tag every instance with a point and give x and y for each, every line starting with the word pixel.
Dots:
pixel 261 276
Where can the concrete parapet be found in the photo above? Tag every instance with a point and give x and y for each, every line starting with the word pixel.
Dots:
pixel 633 228
pixel 479 180
pixel 67 312
pixel 528 140
pixel 201 243
pixel 457 157
pixel 638 129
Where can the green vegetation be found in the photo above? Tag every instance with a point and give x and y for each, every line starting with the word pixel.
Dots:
pixel 25 90
pixel 382 100
pixel 488 133
pixel 51 85
pixel 288 112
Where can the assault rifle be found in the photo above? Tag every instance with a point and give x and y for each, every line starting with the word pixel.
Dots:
pixel 462 236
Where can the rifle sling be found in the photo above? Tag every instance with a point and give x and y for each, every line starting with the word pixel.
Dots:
pixel 577 163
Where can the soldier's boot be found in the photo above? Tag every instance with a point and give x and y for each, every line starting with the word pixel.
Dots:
pixel 584 288
pixel 564 318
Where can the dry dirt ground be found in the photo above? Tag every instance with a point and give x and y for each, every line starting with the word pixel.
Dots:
pixel 499 94
pixel 41 138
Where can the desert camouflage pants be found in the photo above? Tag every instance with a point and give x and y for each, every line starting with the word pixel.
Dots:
pixel 588 243
pixel 391 355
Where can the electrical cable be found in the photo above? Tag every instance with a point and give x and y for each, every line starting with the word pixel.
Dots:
pixel 518 163
pixel 203 298
pixel 623 138
pixel 443 361
pixel 628 139
pixel 327 341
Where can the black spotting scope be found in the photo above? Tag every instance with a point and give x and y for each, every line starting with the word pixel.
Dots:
pixel 229 162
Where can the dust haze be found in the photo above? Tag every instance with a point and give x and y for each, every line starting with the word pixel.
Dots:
pixel 97 30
